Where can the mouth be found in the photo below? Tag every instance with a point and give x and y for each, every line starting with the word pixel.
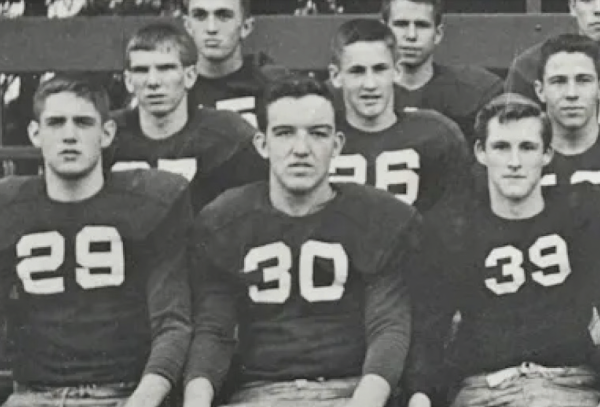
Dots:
pixel 370 99
pixel 212 43
pixel 572 109
pixel 300 166
pixel 155 98
pixel 409 51
pixel 70 154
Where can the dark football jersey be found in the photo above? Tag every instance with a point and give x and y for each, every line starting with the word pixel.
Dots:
pixel 524 71
pixel 456 91
pixel 214 151
pixel 239 91
pixel 422 159
pixel 321 295
pixel 101 285
pixel 525 289
pixel 574 169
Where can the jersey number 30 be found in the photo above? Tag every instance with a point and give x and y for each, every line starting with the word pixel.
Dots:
pixel 38 271
pixel 280 272
pixel 547 251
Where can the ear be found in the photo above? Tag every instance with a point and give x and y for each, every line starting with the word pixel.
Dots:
pixel 439 34
pixel 339 140
pixel 247 27
pixel 109 129
pixel 187 24
pixel 548 155
pixel 189 76
pixel 128 80
pixel 260 143
pixel 480 153
pixel 334 75
pixel 33 130
pixel 539 90
pixel 572 8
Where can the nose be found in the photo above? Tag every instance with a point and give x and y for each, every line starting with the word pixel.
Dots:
pixel 514 160
pixel 300 147
pixel 369 80
pixel 152 79
pixel 69 132
pixel 411 32
pixel 211 24
pixel 571 89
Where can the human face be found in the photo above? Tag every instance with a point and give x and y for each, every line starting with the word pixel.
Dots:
pixel 570 90
pixel 366 76
pixel 514 155
pixel 417 35
pixel 587 13
pixel 218 28
pixel 159 80
pixel 71 135
pixel 299 143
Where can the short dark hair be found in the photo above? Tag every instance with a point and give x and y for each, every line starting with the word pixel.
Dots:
pixel 292 85
pixel 511 107
pixel 569 43
pixel 157 36
pixel 359 30
pixel 438 9
pixel 244 4
pixel 81 85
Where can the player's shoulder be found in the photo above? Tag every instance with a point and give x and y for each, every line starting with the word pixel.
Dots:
pixel 529 58
pixel 373 208
pixel 232 205
pixel 470 76
pixel 432 123
pixel 124 117
pixel 226 125
pixel 582 199
pixel 265 68
pixel 149 185
pixel 16 189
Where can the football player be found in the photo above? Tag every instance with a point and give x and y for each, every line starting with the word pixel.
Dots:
pixel 227 79
pixel 98 265
pixel 522 273
pixel 419 156
pixel 456 91
pixel 525 68
pixel 213 149
pixel 312 273
pixel 569 86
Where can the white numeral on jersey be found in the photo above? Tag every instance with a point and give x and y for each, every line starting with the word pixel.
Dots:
pixel 186 167
pixel 547 251
pixel 35 267
pixel 593 177
pixel 385 175
pixel 309 252
pixel 239 105
pixel 279 272
pixel 113 260
pixel 32 268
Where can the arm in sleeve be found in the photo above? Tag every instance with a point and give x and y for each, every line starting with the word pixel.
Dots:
pixel 168 292
pixel 214 306
pixel 387 309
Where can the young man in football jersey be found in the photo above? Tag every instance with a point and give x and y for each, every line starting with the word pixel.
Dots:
pixel 227 79
pixel 96 266
pixel 524 70
pixel 568 84
pixel 523 274
pixel 419 156
pixel 213 149
pixel 456 91
pixel 312 273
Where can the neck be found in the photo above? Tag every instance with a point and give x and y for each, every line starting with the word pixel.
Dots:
pixel 415 77
pixel 74 190
pixel 297 205
pixel 372 124
pixel 577 141
pixel 161 127
pixel 219 69
pixel 524 208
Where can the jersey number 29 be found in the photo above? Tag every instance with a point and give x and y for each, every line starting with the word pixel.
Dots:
pixel 38 271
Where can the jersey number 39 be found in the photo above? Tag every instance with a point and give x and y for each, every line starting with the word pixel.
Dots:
pixel 38 271
pixel 547 251
pixel 281 255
